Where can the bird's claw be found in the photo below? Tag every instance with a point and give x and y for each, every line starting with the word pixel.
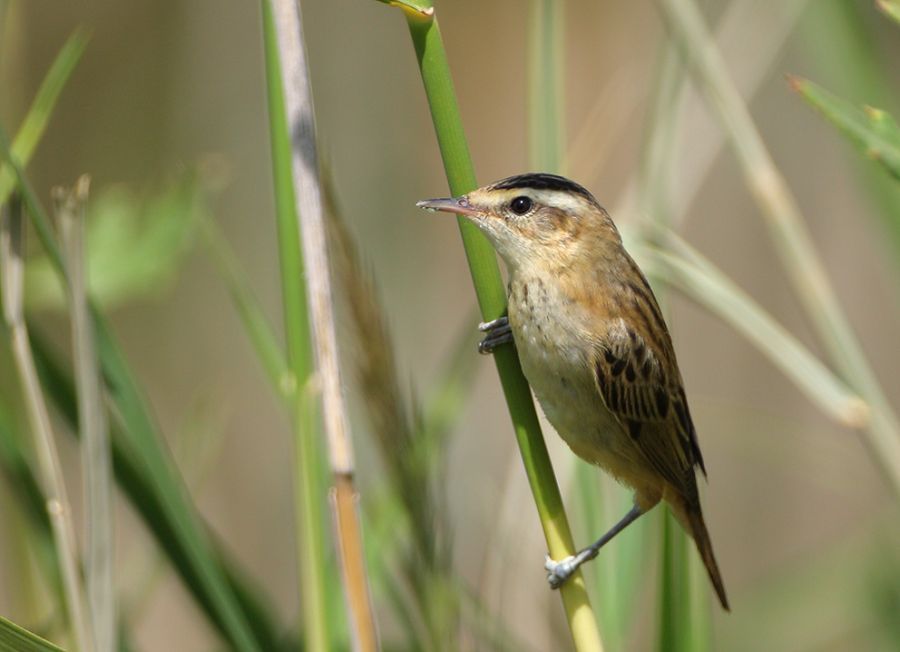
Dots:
pixel 498 332
pixel 559 571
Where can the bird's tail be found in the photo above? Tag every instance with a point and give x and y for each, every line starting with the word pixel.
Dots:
pixel 692 518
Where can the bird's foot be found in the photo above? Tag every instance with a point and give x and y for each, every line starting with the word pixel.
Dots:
pixel 559 571
pixel 498 332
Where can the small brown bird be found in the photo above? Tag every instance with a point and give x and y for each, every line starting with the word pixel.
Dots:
pixel 594 346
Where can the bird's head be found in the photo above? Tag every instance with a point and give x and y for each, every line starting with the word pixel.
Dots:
pixel 535 219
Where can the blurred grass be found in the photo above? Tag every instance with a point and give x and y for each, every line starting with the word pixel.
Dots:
pixel 310 471
pixel 70 207
pixel 156 227
pixel 16 639
pixel 835 586
pixel 148 500
pixel 268 350
pixel 35 123
pixel 29 498
pixel 891 8
pixel 411 456
pixel 48 466
pixel 546 86
pixel 842 47
pixel 789 234
pixel 872 130
pixel 202 568
pixel 683 607
pixel 680 266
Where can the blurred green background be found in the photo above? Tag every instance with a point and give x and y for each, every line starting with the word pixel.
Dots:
pixel 169 93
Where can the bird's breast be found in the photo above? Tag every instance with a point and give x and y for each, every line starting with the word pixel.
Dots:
pixel 554 337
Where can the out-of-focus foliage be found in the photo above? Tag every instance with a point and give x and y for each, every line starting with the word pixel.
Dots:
pixel 16 639
pixel 891 8
pixel 874 131
pixel 35 122
pixel 791 515
pixel 135 245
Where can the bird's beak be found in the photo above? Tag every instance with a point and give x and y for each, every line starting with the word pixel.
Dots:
pixel 458 205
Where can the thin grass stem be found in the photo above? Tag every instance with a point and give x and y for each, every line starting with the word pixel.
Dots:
pixel 50 472
pixel 307 196
pixel 546 86
pixel 677 561
pixel 35 123
pixel 788 232
pixel 14 638
pixel 151 478
pixel 685 269
pixel 96 459
pixel 262 336
pixel 753 52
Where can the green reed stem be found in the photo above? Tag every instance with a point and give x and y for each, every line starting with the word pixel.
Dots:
pixel 309 489
pixel 491 297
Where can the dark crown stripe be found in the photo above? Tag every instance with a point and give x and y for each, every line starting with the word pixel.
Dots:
pixel 542 181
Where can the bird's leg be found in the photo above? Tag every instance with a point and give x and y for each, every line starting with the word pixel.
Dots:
pixel 559 571
pixel 498 332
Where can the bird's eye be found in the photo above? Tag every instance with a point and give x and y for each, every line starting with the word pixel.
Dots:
pixel 521 205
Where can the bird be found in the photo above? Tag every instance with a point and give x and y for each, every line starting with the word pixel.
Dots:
pixel 594 346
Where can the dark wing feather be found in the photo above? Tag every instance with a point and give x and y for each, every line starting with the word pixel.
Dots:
pixel 638 378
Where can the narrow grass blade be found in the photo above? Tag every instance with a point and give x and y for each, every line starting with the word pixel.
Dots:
pixel 143 443
pixel 133 478
pixel 17 639
pixel 38 115
pixel 491 296
pixel 411 450
pixel 71 211
pixel 838 38
pixel 891 8
pixel 654 189
pixel 656 169
pixel 141 440
pixel 50 471
pixel 751 53
pixel 685 269
pixel 601 575
pixel 445 401
pixel 262 336
pixel 546 91
pixel 872 130
pixel 675 624
pixel 28 498
pixel 156 231
pixel 789 233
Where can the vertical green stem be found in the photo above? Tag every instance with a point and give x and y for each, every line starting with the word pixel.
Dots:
pixel 492 302
pixel 546 87
pixel 310 498
pixel 674 608
pixel 59 510
pixel 96 455
pixel 683 620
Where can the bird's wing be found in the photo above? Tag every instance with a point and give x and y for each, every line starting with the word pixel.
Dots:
pixel 638 378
